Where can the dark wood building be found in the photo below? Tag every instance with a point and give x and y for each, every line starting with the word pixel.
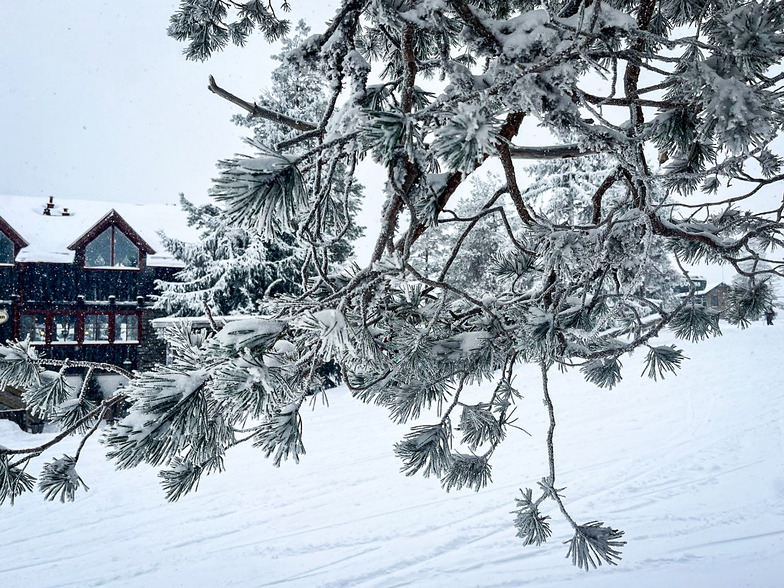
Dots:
pixel 715 297
pixel 712 296
pixel 78 281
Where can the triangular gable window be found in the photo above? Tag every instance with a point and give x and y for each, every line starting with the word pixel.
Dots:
pixel 6 249
pixel 10 243
pixel 111 248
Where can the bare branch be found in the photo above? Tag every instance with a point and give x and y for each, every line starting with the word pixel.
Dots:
pixel 256 111
pixel 548 152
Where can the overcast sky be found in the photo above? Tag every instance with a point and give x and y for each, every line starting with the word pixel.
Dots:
pixel 97 102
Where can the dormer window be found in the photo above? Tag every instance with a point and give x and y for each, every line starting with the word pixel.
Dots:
pixel 10 243
pixel 6 250
pixel 111 249
pixel 111 243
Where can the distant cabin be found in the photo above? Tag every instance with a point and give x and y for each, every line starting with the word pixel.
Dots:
pixel 77 277
pixel 712 296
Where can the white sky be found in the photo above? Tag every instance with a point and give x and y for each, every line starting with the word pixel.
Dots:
pixel 98 102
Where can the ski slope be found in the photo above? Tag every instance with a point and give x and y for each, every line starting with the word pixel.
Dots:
pixel 691 468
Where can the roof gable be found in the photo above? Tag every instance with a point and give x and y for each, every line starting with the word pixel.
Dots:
pixel 49 235
pixel 112 218
pixel 9 232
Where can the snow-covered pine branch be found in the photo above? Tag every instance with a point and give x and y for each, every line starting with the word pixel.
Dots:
pixel 657 127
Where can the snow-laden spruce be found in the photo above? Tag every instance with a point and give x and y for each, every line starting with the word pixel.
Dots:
pixel 658 125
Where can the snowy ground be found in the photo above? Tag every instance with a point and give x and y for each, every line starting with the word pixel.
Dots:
pixel 692 469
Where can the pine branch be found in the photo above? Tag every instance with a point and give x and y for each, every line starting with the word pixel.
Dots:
pixel 256 111
pixel 464 11
pixel 548 152
pixel 108 403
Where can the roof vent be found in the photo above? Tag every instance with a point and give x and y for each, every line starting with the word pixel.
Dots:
pixel 47 211
pixel 65 212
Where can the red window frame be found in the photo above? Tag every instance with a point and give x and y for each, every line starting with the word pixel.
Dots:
pixel 80 315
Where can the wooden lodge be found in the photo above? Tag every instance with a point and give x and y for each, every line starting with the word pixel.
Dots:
pixel 78 281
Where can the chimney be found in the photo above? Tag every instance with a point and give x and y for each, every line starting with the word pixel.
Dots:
pixel 50 204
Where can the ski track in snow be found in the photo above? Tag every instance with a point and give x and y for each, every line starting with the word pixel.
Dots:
pixel 692 468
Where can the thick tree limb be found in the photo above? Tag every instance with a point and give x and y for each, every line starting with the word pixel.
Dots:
pixel 596 199
pixel 395 203
pixel 464 11
pixel 511 127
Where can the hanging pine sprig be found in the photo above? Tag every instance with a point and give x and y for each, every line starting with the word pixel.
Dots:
pixel 467 471
pixel 13 481
pixel 282 436
pixel 662 359
pixel 18 367
pixel 479 426
pixel 426 448
pixel 60 480
pixel 52 391
pixel 605 373
pixel 748 300
pixel 593 544
pixel 467 138
pixel 695 322
pixel 388 134
pixel 71 412
pixel 532 526
pixel 183 476
pixel 265 192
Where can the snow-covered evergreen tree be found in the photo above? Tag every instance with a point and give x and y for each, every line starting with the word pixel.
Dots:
pixel 693 82
pixel 231 268
pixel 469 269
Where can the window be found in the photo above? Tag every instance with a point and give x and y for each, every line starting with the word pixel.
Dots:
pixel 6 250
pixel 34 326
pixel 64 328
pixel 714 300
pixel 112 248
pixel 126 254
pixel 79 328
pixel 96 328
pixel 126 328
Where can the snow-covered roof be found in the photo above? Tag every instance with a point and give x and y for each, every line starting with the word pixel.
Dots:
pixel 199 322
pixel 50 236
pixel 713 286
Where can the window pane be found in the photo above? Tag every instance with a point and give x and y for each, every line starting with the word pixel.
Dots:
pixel 125 253
pixel 98 252
pixel 6 249
pixel 33 325
pixel 96 327
pixel 64 328
pixel 126 327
